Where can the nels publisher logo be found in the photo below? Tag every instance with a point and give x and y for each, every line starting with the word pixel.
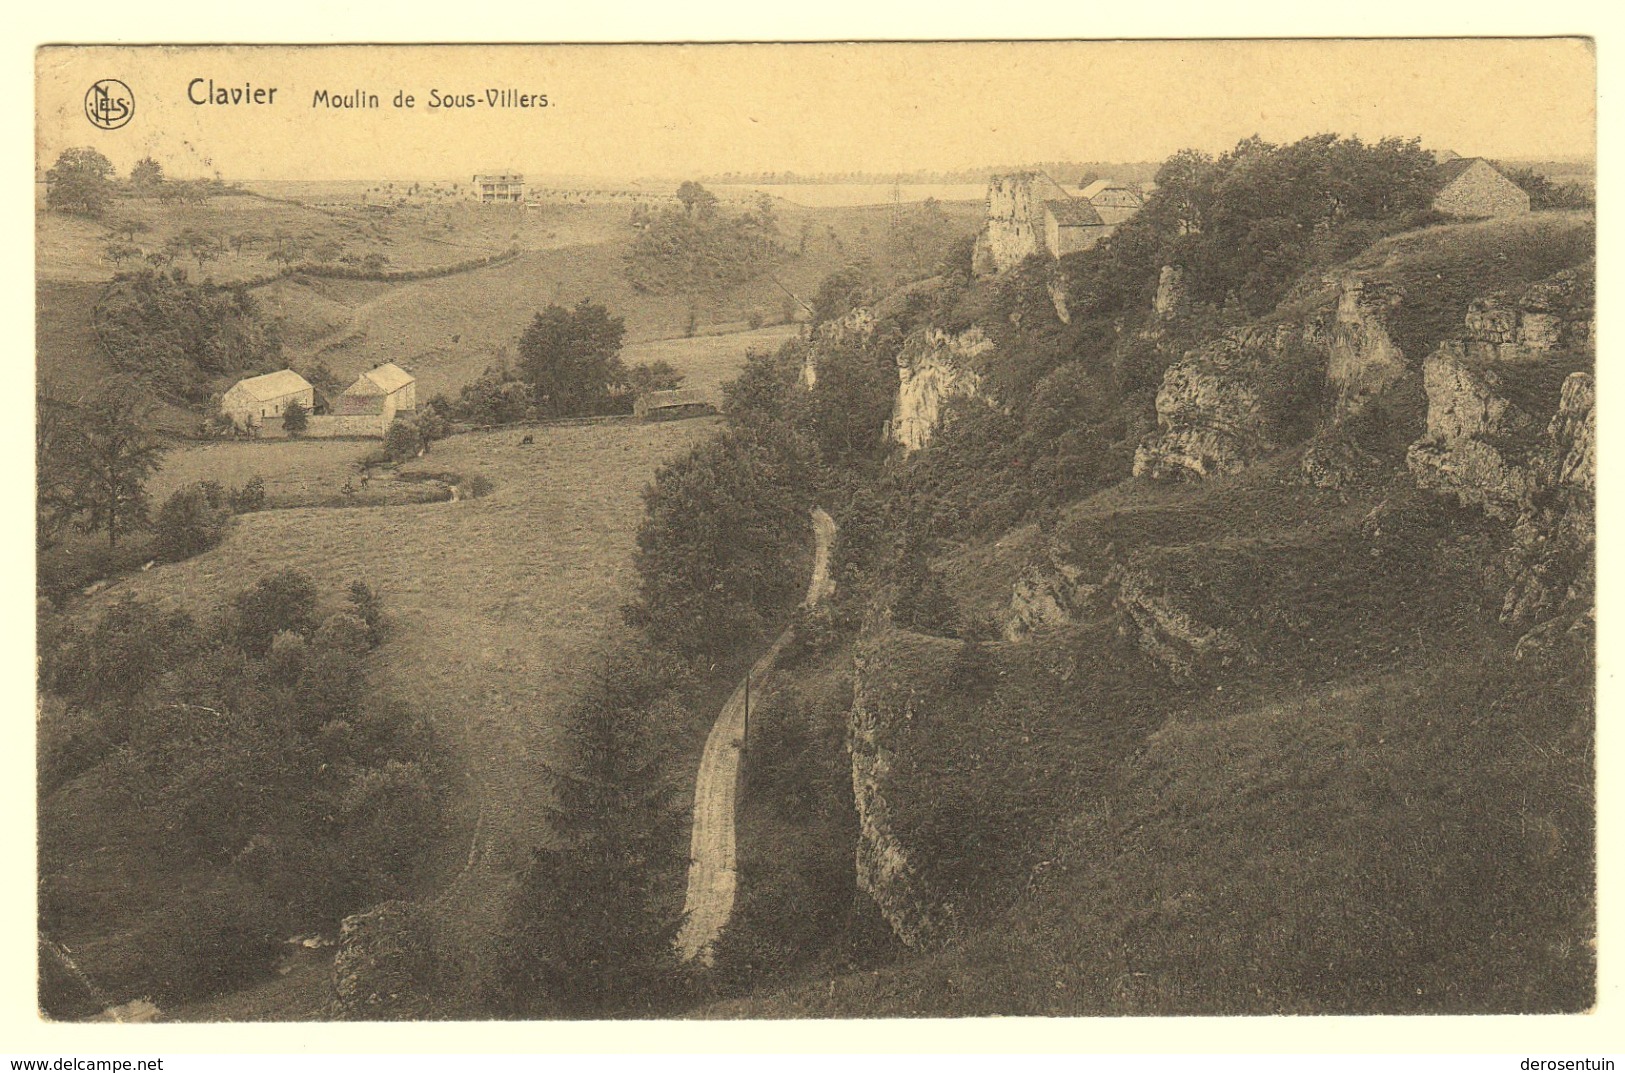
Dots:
pixel 109 104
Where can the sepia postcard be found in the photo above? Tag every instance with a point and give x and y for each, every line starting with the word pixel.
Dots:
pixel 740 532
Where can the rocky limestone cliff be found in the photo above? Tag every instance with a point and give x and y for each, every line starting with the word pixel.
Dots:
pixel 885 870
pixel 1173 298
pixel 1167 632
pixel 1055 592
pixel 1488 445
pixel 933 367
pixel 1362 359
pixel 1558 313
pixel 1477 443
pixel 1552 560
pixel 1050 593
pixel 856 327
pixel 1014 229
pixel 1211 416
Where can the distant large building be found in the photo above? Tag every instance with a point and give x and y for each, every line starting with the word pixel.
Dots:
pixel 252 402
pixel 499 189
pixel 1472 186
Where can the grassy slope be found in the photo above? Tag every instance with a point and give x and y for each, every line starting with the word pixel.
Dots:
pixel 498 606
pixel 1384 813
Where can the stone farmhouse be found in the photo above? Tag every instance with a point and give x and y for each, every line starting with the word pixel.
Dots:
pixel 377 396
pixel 253 402
pixel 1472 186
pixel 366 407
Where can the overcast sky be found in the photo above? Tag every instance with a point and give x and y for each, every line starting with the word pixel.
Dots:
pixel 633 111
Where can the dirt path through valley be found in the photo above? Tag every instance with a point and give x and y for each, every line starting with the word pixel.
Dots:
pixel 711 870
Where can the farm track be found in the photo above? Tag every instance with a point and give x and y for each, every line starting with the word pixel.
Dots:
pixel 712 874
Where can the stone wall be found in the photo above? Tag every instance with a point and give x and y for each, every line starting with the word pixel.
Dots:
pixel 323 426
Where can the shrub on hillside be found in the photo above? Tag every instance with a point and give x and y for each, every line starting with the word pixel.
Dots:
pixel 191 521
pixel 404 440
pixel 284 601
pixel 250 497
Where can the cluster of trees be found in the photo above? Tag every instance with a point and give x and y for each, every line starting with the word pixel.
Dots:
pixel 277 790
pixel 697 250
pixel 179 338
pixel 1546 194
pixel 83 182
pixel 590 930
pixel 568 365
pixel 1248 222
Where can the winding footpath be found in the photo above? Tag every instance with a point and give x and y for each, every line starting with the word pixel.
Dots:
pixel 711 870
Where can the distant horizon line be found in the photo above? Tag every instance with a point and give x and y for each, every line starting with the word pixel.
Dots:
pixel 802 179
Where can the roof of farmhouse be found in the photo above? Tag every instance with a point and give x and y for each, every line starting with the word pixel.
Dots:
pixel 274 385
pixel 1074 213
pixel 388 377
pixel 1449 171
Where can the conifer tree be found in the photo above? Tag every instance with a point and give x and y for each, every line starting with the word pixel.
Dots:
pixel 590 932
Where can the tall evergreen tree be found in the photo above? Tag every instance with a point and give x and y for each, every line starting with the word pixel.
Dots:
pixel 591 930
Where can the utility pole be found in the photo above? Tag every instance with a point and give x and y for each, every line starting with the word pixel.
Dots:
pixel 746 739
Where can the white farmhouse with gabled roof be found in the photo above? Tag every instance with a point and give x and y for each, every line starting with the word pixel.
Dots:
pixel 250 402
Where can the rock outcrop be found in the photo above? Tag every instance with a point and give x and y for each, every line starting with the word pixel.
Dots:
pixel 1051 593
pixel 933 367
pixel 1015 222
pixel 885 870
pixel 1552 561
pixel 1173 298
pixel 855 328
pixel 1478 443
pixel 1555 314
pixel 1167 632
pixel 1488 444
pixel 1362 359
pixel 1211 412
pixel 1210 419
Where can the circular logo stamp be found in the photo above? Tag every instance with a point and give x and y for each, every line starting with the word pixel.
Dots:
pixel 109 104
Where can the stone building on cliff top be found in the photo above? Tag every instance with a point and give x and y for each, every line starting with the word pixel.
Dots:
pixel 1472 187
pixel 1030 213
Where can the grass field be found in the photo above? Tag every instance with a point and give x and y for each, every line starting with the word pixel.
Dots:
pixel 296 473
pixel 497 606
